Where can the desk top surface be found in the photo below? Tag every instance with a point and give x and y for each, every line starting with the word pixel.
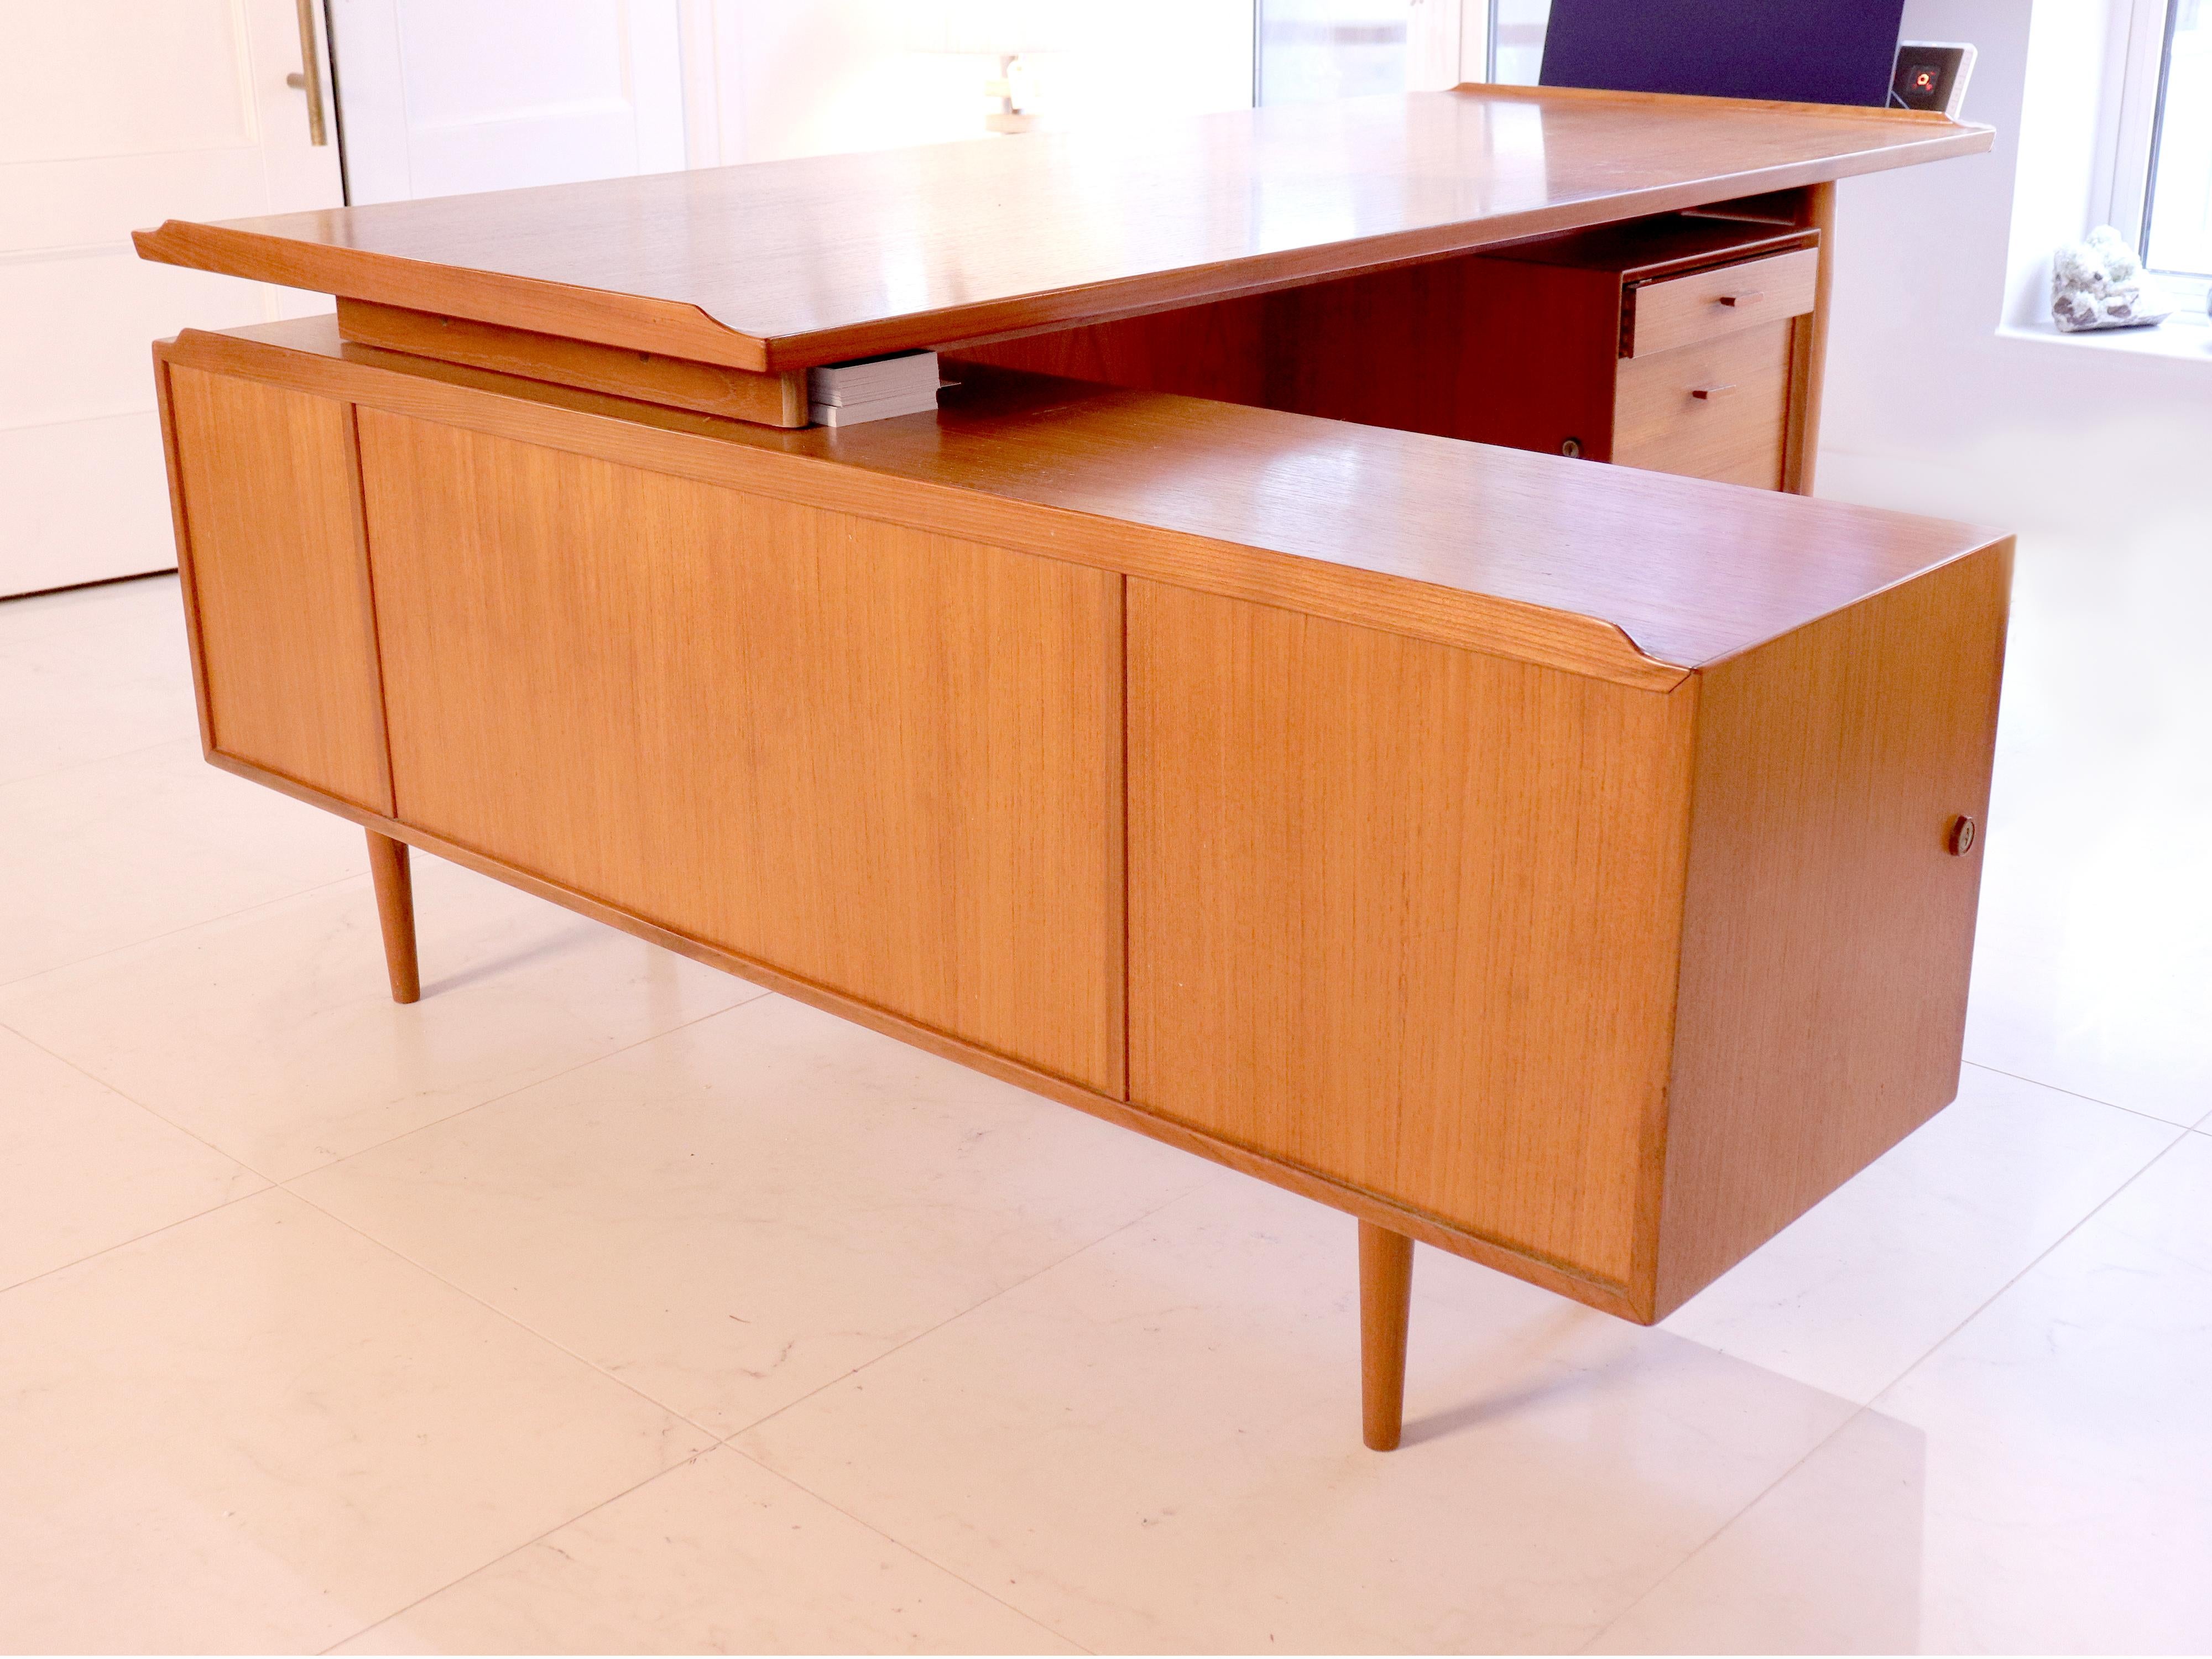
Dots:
pixel 1665 574
pixel 783 264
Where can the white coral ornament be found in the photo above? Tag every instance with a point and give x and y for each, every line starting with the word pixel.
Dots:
pixel 2099 282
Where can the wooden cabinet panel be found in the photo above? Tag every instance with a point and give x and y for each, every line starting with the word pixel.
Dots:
pixel 1829 926
pixel 1737 432
pixel 1406 915
pixel 1490 350
pixel 710 388
pixel 277 582
pixel 880 760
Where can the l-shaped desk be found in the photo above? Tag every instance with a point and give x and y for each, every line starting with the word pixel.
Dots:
pixel 1212 717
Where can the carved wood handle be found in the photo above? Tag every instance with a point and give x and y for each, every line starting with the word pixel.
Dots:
pixel 1707 393
pixel 1751 298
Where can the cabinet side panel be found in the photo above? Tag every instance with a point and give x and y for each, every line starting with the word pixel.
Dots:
pixel 1220 350
pixel 886 761
pixel 1828 928
pixel 288 637
pixel 1406 915
pixel 1492 350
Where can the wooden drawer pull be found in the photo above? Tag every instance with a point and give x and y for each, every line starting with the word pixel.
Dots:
pixel 1740 300
pixel 1707 393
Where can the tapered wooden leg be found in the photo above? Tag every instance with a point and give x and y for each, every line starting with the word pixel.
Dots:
pixel 395 909
pixel 1386 1290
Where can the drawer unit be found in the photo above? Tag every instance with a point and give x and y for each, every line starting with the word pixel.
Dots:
pixel 1592 343
pixel 1712 320
pixel 1716 410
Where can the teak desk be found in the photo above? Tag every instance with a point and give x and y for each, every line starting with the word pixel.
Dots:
pixel 1568 866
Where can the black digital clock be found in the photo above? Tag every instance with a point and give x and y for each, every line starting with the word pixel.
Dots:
pixel 1931 75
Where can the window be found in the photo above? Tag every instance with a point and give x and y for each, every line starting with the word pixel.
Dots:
pixel 2162 181
pixel 1516 40
pixel 1310 49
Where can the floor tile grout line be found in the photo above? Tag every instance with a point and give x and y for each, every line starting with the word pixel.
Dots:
pixel 500 1313
pixel 97 1081
pixel 1862 1408
pixel 519 1089
pixel 98 760
pixel 283 1181
pixel 958 1577
pixel 487 1564
pixel 2074 1094
pixel 138 1238
pixel 285 1187
pixel 719 1443
pixel 267 1183
pixel 9 985
pixel 2041 1256
pixel 1697 1549
pixel 730 1441
pixel 953 1318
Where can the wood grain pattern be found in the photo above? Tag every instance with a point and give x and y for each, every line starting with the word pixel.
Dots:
pixel 710 388
pixel 1405 915
pixel 287 636
pixel 1495 550
pixel 1703 305
pixel 395 915
pixel 884 761
pixel 1490 350
pixel 1598 983
pixel 1386 1294
pixel 1815 209
pixel 1234 350
pixel 1580 1287
pixel 165 401
pixel 1741 436
pixel 1828 929
pixel 784 264
pixel 1519 347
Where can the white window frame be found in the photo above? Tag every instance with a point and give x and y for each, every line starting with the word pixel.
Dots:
pixel 2124 197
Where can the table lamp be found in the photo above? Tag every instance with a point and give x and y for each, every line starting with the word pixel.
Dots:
pixel 1007 30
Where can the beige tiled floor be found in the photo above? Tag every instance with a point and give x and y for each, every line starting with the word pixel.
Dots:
pixel 600 1302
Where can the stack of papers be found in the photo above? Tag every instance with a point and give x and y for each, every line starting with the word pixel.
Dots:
pixel 845 394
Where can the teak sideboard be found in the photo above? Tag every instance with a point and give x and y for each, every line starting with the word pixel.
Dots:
pixel 1212 717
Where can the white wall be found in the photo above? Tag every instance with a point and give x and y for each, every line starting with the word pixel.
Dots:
pixel 1928 406
pixel 843 74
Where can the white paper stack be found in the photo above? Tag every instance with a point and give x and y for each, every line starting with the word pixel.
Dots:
pixel 873 389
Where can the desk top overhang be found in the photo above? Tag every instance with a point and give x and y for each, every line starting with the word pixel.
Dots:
pixel 776 267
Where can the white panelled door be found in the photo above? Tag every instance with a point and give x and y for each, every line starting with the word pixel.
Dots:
pixel 446 97
pixel 114 115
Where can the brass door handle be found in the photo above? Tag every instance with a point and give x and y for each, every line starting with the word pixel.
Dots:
pixel 309 79
pixel 1750 298
pixel 1707 393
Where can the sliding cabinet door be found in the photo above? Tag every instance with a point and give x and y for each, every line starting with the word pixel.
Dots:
pixel 268 527
pixel 882 761
pixel 1405 915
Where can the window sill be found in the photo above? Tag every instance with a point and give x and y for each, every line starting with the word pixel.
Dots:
pixel 2182 336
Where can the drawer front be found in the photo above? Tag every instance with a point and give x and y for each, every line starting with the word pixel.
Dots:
pixel 1705 305
pixel 1716 411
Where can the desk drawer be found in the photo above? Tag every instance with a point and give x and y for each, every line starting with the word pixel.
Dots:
pixel 1705 305
pixel 1737 432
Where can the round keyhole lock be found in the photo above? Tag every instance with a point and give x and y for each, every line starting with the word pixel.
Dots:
pixel 1571 446
pixel 1961 838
